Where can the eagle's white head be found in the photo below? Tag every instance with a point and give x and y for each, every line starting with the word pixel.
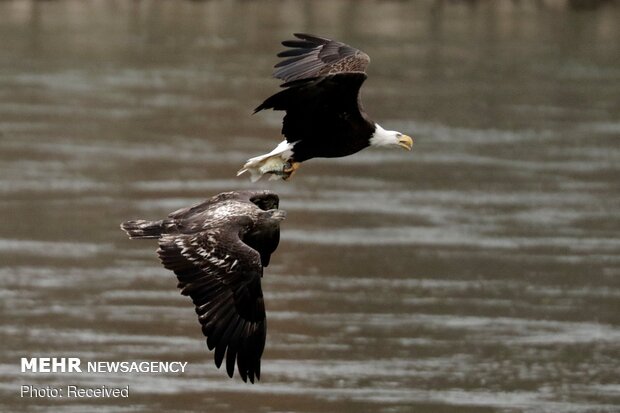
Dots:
pixel 390 138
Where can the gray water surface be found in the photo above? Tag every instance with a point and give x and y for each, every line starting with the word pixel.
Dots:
pixel 478 273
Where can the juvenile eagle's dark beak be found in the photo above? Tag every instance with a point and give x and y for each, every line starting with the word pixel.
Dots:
pixel 405 142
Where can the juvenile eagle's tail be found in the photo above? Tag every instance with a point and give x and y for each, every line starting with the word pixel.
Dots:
pixel 143 229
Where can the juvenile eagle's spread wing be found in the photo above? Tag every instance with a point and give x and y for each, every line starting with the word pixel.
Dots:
pixel 222 276
pixel 264 200
pixel 313 56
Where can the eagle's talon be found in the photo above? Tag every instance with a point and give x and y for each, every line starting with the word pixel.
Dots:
pixel 289 169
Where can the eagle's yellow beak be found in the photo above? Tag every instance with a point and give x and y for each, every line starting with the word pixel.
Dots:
pixel 405 142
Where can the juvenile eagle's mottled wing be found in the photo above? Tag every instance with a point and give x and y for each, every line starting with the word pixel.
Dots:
pixel 265 200
pixel 313 56
pixel 222 276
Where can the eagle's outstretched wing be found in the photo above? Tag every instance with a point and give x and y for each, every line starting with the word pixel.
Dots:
pixel 265 200
pixel 222 276
pixel 322 110
pixel 313 56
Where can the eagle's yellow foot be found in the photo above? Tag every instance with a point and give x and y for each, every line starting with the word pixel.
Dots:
pixel 289 170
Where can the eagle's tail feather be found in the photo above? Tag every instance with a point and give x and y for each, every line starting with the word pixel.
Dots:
pixel 143 229
pixel 252 166
pixel 270 163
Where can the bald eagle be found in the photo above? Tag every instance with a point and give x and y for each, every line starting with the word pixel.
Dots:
pixel 218 249
pixel 324 115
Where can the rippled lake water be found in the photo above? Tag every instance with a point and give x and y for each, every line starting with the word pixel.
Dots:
pixel 478 273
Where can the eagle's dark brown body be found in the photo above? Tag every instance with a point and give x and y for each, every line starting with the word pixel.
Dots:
pixel 218 249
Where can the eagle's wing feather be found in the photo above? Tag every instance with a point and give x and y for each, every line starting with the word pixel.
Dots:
pixel 265 200
pixel 222 276
pixel 313 56
pixel 316 108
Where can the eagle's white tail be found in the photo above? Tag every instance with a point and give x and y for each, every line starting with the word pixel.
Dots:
pixel 272 162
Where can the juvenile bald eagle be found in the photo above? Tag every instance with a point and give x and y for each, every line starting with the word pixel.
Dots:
pixel 324 115
pixel 218 250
